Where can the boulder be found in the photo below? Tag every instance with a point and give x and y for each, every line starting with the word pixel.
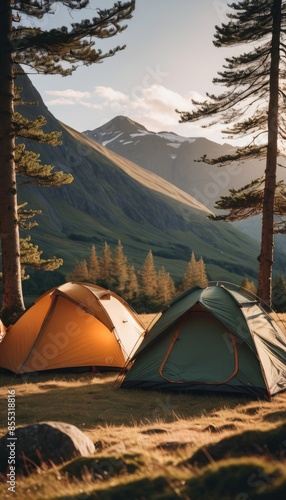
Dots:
pixel 44 443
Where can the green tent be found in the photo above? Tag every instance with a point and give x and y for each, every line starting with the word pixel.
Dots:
pixel 217 338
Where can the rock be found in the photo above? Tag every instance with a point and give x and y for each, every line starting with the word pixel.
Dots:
pixel 252 410
pixel 102 467
pixel 256 443
pixel 211 428
pixel 275 416
pixel 43 443
pixel 173 445
pixel 228 427
pixel 154 431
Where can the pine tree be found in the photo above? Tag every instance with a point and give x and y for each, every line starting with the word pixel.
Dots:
pixel 29 170
pixel 195 273
pixel 165 287
pixel 31 257
pixel 246 284
pixel 253 105
pixel 58 51
pixel 202 273
pixel 106 267
pixel 120 268
pixel 279 293
pixel 93 266
pixel 188 278
pixel 191 276
pixel 132 287
pixel 79 273
pixel 148 276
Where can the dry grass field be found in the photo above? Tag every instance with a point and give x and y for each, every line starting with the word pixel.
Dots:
pixel 151 445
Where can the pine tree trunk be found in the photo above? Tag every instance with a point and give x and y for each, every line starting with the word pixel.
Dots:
pixel 267 236
pixel 12 297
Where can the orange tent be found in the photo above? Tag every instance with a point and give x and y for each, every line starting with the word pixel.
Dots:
pixel 73 325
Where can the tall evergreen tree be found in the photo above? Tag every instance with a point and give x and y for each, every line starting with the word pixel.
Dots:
pixel 253 105
pixel 165 287
pixel 202 273
pixel 195 273
pixel 132 287
pixel 189 277
pixel 79 272
pixel 148 277
pixel 120 268
pixel 279 293
pixel 246 284
pixel 58 51
pixel 93 266
pixel 106 266
pixel 192 274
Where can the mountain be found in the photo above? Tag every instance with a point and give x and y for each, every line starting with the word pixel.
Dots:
pixel 112 198
pixel 174 158
pixel 166 154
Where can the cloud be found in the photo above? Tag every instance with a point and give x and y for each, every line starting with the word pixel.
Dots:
pixel 156 100
pixel 70 94
pixel 68 97
pixel 153 106
pixel 61 101
pixel 110 95
pixel 195 96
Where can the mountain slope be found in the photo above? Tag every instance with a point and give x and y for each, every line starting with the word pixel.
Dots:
pixel 111 198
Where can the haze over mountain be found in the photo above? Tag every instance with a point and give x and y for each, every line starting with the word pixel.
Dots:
pixel 112 198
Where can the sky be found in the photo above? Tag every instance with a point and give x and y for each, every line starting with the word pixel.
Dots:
pixel 169 58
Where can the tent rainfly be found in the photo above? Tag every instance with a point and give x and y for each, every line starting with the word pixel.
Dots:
pixel 217 338
pixel 73 325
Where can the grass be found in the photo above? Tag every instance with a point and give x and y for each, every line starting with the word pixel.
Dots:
pixel 146 440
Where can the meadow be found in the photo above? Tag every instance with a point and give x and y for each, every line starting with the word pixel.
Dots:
pixel 151 445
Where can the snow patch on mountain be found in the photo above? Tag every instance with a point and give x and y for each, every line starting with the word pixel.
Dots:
pixel 140 134
pixel 170 136
pixel 112 139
